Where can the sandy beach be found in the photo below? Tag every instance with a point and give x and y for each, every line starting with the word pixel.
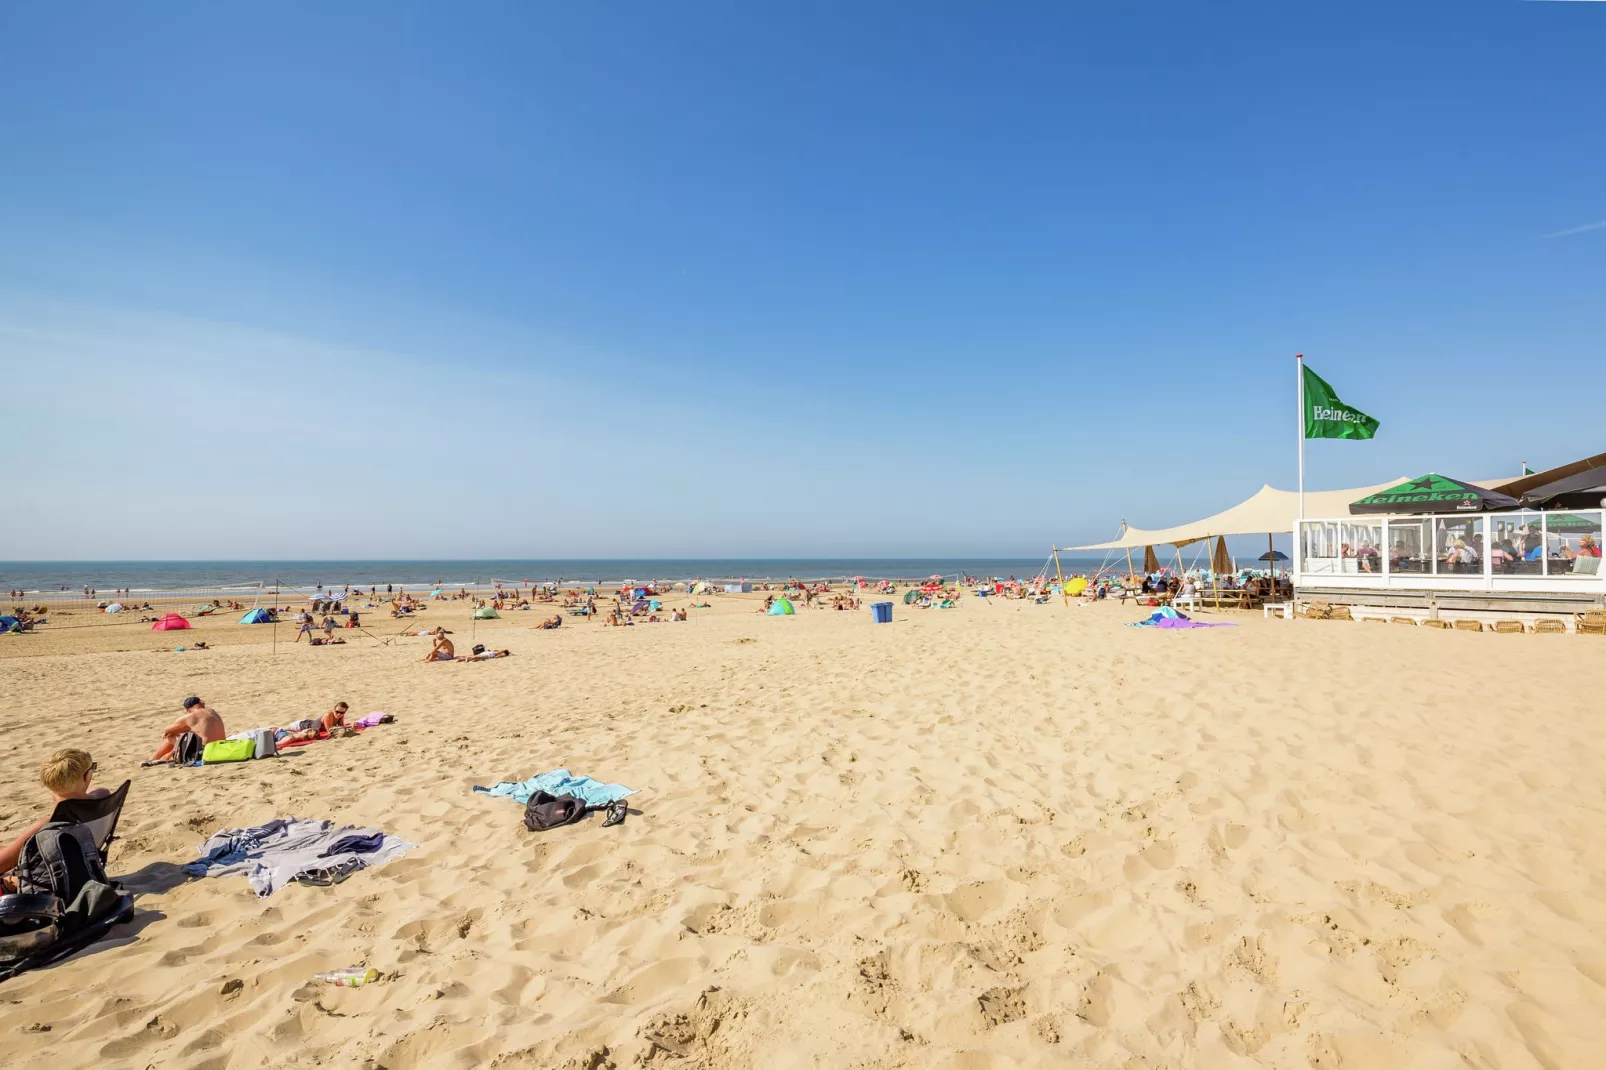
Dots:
pixel 999 836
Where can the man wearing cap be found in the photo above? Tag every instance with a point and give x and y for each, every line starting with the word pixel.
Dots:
pixel 197 718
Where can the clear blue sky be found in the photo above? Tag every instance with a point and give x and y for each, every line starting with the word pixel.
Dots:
pixel 754 279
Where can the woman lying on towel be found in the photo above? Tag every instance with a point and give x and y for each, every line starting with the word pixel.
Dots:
pixel 481 654
pixel 308 729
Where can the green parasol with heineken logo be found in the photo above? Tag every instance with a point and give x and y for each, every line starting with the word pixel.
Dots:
pixel 1433 493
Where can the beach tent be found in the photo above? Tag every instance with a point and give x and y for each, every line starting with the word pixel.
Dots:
pixel 738 588
pixel 486 613
pixel 115 607
pixel 172 622
pixel 781 608
pixel 256 616
pixel 1433 493
pixel 9 623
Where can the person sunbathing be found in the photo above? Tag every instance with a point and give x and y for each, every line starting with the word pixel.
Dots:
pixel 486 655
pixel 198 718
pixel 443 650
pixel 309 729
pixel 552 622
pixel 66 774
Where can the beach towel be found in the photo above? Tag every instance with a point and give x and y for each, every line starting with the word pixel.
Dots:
pixel 287 849
pixel 1170 619
pixel 558 782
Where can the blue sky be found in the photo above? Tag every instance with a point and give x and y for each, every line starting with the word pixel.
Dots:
pixel 731 279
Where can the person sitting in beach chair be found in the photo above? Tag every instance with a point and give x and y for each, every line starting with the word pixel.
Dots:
pixel 551 622
pixel 66 774
pixel 443 650
pixel 199 719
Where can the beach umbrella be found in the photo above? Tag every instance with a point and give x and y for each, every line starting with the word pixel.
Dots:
pixel 1273 555
pixel 1554 522
pixel 1433 493
pixel 1220 561
pixel 1150 562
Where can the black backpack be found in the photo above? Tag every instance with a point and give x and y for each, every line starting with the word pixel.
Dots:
pixel 187 749
pixel 59 860
pixel 546 811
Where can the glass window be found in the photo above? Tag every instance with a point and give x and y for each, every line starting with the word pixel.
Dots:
pixel 1410 545
pixel 1361 546
pixel 1573 542
pixel 1458 545
pixel 1319 546
pixel 1517 548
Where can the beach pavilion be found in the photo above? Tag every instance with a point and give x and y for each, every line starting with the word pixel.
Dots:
pixel 1520 544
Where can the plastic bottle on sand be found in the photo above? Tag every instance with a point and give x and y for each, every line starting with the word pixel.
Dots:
pixel 350 977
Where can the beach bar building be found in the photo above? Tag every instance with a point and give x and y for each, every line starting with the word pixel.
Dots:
pixel 1520 545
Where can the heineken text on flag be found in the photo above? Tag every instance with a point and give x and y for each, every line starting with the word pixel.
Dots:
pixel 1328 417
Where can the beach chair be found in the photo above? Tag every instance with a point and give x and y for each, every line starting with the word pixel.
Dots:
pixel 1590 623
pixel 1550 626
pixel 1469 626
pixel 1403 620
pixel 1340 613
pixel 1508 627
pixel 99 815
pixel 1434 623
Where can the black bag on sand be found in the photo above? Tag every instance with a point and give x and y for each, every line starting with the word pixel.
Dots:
pixel 546 811
pixel 187 749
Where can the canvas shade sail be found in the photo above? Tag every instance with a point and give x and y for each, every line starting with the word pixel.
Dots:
pixel 1433 493
pixel 1267 510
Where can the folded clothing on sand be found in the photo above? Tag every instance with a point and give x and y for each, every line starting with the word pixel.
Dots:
pixel 559 782
pixel 290 848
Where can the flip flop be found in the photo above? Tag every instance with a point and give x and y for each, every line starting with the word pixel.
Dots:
pixel 616 813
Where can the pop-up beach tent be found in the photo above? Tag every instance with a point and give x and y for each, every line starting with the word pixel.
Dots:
pixel 115 607
pixel 486 613
pixel 172 622
pixel 256 616
pixel 781 608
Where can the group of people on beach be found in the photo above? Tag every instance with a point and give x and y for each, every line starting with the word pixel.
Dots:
pixel 69 773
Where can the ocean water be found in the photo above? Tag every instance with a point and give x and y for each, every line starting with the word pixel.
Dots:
pixel 46 577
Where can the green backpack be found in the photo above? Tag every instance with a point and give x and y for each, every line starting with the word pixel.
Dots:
pixel 229 750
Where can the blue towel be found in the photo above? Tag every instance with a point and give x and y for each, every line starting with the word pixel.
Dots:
pixel 559 782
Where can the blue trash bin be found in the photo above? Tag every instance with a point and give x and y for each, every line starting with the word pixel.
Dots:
pixel 882 612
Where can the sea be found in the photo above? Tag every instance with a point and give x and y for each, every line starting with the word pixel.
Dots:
pixel 51 577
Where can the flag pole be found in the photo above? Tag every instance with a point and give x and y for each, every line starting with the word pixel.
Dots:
pixel 1299 362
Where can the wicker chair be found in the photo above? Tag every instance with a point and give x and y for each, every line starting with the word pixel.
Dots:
pixel 1339 613
pixel 1317 610
pixel 1591 623
pixel 1469 626
pixel 1509 627
pixel 1550 626
pixel 1434 623
pixel 1403 620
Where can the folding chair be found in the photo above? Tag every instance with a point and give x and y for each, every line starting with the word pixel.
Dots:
pixel 100 815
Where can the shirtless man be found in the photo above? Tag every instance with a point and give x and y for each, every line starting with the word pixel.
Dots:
pixel 66 774
pixel 197 718
pixel 442 650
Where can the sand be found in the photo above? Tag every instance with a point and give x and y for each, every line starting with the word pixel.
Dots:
pixel 999 836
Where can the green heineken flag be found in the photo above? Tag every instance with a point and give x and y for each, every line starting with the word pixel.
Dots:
pixel 1328 417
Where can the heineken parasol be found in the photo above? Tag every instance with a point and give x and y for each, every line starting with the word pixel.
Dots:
pixel 1433 493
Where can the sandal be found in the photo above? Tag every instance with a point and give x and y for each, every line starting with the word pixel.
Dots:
pixel 616 813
